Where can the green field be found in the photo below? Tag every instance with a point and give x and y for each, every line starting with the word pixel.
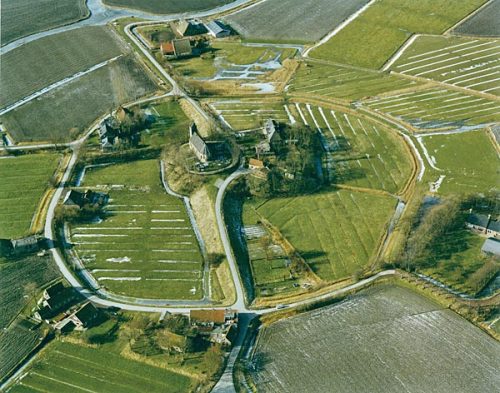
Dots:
pixel 465 62
pixel 24 180
pixel 375 35
pixel 468 160
pixel 145 247
pixel 47 60
pixel 437 107
pixel 343 82
pixel 336 232
pixel 65 367
pixel 167 7
pixel 360 153
pixel 70 109
pixel 24 17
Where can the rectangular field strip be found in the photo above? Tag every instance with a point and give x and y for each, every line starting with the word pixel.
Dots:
pixel 145 246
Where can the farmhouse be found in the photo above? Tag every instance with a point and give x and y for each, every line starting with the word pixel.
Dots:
pixel 55 299
pixel 483 224
pixel 491 247
pixel 218 29
pixel 255 164
pixel 25 245
pixel 270 131
pixel 177 48
pixel 198 145
pixel 188 28
pixel 83 318
pixel 212 317
pixel 108 133
pixel 89 197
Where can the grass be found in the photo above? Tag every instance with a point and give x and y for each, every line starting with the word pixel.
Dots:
pixel 24 180
pixel 468 160
pixel 167 7
pixel 343 82
pixel 145 247
pixel 464 62
pixel 40 63
pixel 337 232
pixel 360 153
pixel 70 109
pixel 375 35
pixel 21 18
pixel 437 107
pixel 387 335
pixel 292 21
pixel 65 367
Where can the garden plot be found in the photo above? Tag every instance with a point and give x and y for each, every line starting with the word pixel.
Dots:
pixel 292 20
pixel 248 114
pixel 383 340
pixel 437 108
pixel 469 63
pixel 337 232
pixel 468 161
pixel 360 153
pixel 359 42
pixel 66 367
pixel 145 246
pixel 24 181
pixel 484 23
pixel 343 82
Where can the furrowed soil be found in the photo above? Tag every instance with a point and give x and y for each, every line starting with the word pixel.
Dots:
pixel 385 339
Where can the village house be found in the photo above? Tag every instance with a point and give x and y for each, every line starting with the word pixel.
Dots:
pixel 491 247
pixel 26 245
pixel 88 197
pixel 217 29
pixel 80 320
pixel 198 145
pixel 55 299
pixel 108 133
pixel 483 224
pixel 188 28
pixel 255 164
pixel 177 48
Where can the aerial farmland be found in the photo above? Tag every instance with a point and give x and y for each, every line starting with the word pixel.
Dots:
pixel 249 196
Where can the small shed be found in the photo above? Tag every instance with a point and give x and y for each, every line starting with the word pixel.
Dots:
pixel 218 29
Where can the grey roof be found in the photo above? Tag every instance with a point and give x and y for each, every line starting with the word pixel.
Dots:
pixel 491 246
pixel 55 289
pixel 27 241
pixel 199 144
pixel 269 129
pixel 478 219
pixel 216 27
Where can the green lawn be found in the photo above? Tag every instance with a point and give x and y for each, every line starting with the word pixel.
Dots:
pixel 468 160
pixel 65 367
pixel 145 246
pixel 337 232
pixel 375 35
pixel 24 180
pixel 343 82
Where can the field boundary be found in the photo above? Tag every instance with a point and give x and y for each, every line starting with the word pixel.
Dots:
pixel 476 11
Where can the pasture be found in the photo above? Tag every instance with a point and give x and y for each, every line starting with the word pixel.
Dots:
pixel 24 181
pixel 291 20
pixel 359 153
pixel 246 114
pixel 21 18
pixel 468 63
pixel 336 232
pixel 468 161
pixel 65 367
pixel 484 23
pixel 437 107
pixel 335 81
pixel 167 7
pixel 145 246
pixel 359 43
pixel 388 338
pixel 38 64
pixel 68 110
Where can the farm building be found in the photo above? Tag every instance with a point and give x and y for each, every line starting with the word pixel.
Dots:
pixel 188 28
pixel 212 317
pixel 177 48
pixel 484 224
pixel 270 131
pixel 55 300
pixel 491 247
pixel 83 318
pixel 198 145
pixel 25 245
pixel 255 164
pixel 89 197
pixel 108 133
pixel 224 335
pixel 218 29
